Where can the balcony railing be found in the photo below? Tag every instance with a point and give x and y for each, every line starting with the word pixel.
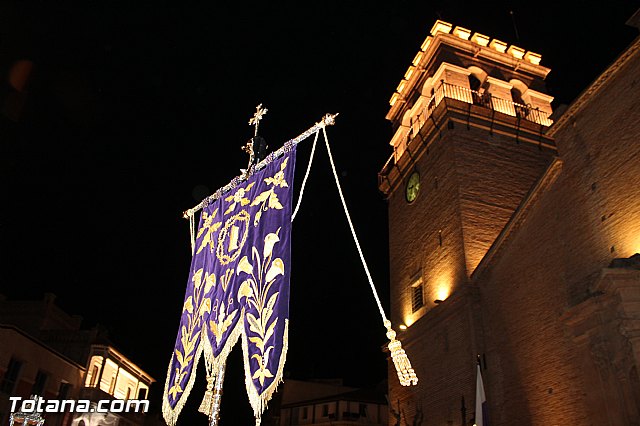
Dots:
pixel 486 100
pixel 472 97
pixel 464 94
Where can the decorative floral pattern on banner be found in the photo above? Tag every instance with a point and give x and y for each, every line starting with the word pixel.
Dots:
pixel 238 286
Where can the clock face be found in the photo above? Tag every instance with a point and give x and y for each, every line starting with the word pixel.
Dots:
pixel 413 187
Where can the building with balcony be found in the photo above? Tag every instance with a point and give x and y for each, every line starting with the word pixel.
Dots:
pixel 325 403
pixel 514 235
pixel 45 352
pixel 28 367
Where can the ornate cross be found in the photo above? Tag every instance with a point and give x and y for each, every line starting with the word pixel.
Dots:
pixel 248 148
pixel 255 121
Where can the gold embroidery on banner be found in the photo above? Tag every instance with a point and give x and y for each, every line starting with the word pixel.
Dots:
pixel 239 198
pixel 226 278
pixel 233 238
pixel 221 321
pixel 224 252
pixel 256 290
pixel 269 198
pixel 195 306
pixel 210 227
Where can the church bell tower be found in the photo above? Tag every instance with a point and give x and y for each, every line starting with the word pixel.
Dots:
pixel 469 146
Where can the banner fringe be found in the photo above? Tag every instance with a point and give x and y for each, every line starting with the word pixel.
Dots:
pixel 215 362
pixel 259 402
pixel 171 414
pixel 232 340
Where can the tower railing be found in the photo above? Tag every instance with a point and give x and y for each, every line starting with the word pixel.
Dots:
pixel 464 94
pixel 485 99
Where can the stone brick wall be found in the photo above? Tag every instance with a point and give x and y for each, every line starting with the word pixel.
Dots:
pixel 441 347
pixel 471 182
pixel 590 216
pixel 513 310
pixel 414 232
pixel 495 173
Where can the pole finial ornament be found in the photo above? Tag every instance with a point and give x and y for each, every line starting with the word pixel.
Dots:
pixel 253 147
pixel 255 120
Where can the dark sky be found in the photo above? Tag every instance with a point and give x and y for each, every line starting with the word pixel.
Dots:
pixel 136 110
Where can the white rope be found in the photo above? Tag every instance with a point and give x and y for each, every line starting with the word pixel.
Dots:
pixel 353 232
pixel 406 374
pixel 192 232
pixel 306 176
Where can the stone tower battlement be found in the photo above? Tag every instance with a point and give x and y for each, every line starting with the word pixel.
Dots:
pixel 481 44
pixel 454 63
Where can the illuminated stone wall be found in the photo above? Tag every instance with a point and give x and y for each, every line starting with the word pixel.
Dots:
pixel 562 343
pixel 415 250
pixel 471 183
pixel 524 242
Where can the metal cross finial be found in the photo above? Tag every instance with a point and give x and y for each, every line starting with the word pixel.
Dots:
pixel 255 120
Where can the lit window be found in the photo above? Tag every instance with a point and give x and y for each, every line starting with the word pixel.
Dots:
pixel 93 371
pixel 112 385
pixel 94 376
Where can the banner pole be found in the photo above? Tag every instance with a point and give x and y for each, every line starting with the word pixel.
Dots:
pixel 217 397
pixel 327 120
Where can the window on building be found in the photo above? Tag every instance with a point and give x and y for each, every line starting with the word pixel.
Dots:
pixel 362 410
pixel 479 95
pixel 10 378
pixel 64 390
pixel 414 98
pixel 40 383
pixel 417 296
pixel 305 413
pixel 325 410
pixel 516 95
pixel 474 82
pixel 112 385
pixel 94 376
pixel 142 393
pixel 432 100
pixel 521 109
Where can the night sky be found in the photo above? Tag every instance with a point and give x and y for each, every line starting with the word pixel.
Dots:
pixel 137 110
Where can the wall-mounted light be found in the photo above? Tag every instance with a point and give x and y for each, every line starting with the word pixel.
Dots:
pixel 438 301
pixel 443 290
pixel 402 327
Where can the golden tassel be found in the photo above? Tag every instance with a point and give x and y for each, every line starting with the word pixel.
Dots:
pixel 207 401
pixel 406 375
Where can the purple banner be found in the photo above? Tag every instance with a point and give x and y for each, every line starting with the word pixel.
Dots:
pixel 238 286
